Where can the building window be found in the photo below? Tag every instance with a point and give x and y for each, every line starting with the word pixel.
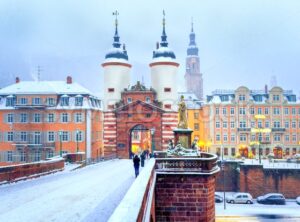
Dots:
pixel 252 110
pixel 286 124
pixel 242 98
pixel 232 138
pixel 266 111
pixel 293 111
pixel 243 124
pixel 243 138
pixel 196 126
pixel 23 137
pixel 217 111
pixel 23 118
pixel 37 155
pixel 286 111
pixel 276 111
pixel 231 110
pixel 294 137
pixel 225 137
pixel 9 156
pixel 50 101
pixel 253 137
pixel 64 117
pixel 277 137
pixel 232 125
pixel 167 89
pixel 10 101
pixel 276 124
pixel 37 117
pixel 196 115
pixel 224 111
pixel 259 124
pixel 129 100
pixel 242 111
pixel 64 136
pixel 37 138
pixel 276 97
pixel 225 151
pixel 78 117
pixel 167 106
pixel 23 101
pixel 294 124
pixel 217 124
pixel 218 137
pixel 129 115
pixel 10 136
pixel 225 124
pixel 267 137
pixel 111 90
pixel 22 156
pixel 252 124
pixel 287 138
pixel 267 124
pixel 259 111
pixel 148 100
pixel 232 151
pixel 36 101
pixel 64 101
pixel 79 136
pixel 50 154
pixel 78 101
pixel 51 137
pixel 50 118
pixel 10 117
pixel 148 115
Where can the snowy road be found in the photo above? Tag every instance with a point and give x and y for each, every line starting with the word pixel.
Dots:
pixel 87 194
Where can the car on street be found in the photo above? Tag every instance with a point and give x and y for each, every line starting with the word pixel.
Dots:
pixel 244 198
pixel 218 198
pixel 271 198
pixel 298 200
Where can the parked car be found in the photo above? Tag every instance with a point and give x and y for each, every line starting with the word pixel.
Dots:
pixel 271 198
pixel 240 198
pixel 218 198
pixel 298 200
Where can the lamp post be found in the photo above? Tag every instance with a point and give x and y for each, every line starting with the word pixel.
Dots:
pixel 77 140
pixel 60 143
pixel 152 139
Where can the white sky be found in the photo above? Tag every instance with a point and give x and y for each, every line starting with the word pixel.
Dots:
pixel 240 42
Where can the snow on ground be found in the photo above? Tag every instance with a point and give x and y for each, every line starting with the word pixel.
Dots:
pixel 86 194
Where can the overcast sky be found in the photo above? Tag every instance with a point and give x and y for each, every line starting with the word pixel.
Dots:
pixel 240 42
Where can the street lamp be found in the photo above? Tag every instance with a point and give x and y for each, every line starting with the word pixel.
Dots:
pixel 77 140
pixel 60 143
pixel 152 138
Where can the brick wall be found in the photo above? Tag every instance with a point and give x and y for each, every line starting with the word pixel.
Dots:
pixel 184 197
pixel 29 170
pixel 257 180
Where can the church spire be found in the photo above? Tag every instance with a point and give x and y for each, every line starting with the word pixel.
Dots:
pixel 164 42
pixel 116 43
pixel 192 49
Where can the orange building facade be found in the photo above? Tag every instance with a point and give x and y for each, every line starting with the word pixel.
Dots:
pixel 45 118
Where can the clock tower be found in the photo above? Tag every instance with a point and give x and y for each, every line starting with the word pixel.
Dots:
pixel 193 77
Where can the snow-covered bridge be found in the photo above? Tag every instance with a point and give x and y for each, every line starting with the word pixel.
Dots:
pixel 87 194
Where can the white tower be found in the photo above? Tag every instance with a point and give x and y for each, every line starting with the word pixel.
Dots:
pixel 164 68
pixel 116 72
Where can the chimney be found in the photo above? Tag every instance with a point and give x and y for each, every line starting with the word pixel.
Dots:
pixel 266 89
pixel 69 80
pixel 17 79
pixel 157 45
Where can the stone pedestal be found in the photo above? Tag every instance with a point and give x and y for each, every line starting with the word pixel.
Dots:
pixel 183 136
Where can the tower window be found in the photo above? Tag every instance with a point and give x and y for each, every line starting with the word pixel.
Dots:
pixel 167 106
pixel 129 100
pixel 111 89
pixel 167 89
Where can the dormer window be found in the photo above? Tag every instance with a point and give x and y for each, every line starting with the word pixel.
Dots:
pixel 78 100
pixel 276 98
pixel 148 100
pixel 242 98
pixel 36 101
pixel 23 101
pixel 50 101
pixel 10 101
pixel 64 101
pixel 129 100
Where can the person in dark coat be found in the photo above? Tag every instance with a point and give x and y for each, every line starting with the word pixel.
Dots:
pixel 136 164
pixel 143 157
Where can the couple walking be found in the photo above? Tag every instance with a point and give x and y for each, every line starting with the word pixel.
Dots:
pixel 136 163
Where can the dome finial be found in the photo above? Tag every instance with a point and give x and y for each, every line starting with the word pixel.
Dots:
pixel 192 23
pixel 164 42
pixel 116 43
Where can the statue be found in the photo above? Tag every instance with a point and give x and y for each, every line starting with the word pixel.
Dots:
pixel 179 150
pixel 182 123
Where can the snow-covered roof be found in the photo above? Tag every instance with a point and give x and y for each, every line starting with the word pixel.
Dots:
pixel 44 87
pixel 191 100
pixel 118 60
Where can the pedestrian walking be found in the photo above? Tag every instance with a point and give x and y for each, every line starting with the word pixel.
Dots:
pixel 143 157
pixel 136 164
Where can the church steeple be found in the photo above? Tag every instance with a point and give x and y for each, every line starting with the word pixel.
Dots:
pixel 164 42
pixel 192 49
pixel 116 52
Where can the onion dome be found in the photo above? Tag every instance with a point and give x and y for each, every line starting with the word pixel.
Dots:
pixel 117 52
pixel 192 50
pixel 162 49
